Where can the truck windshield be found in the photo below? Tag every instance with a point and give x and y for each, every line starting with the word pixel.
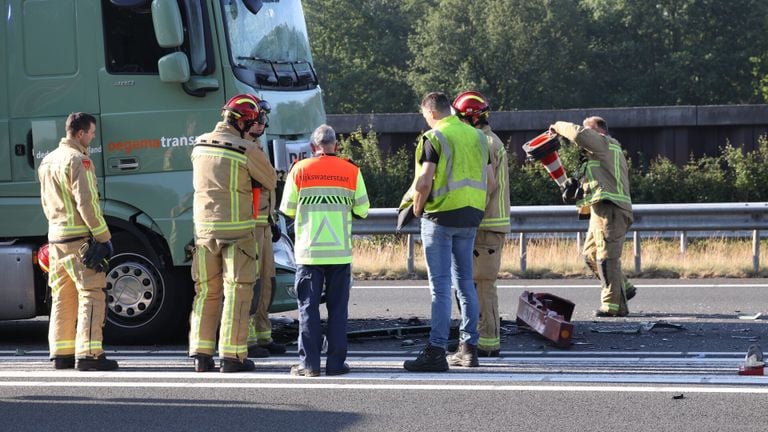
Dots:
pixel 270 49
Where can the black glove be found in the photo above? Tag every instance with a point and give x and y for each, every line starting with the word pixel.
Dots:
pixel 275 233
pixel 97 256
pixel 572 191
pixel 404 216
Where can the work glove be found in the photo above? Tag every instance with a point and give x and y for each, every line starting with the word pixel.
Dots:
pixel 404 217
pixel 275 233
pixel 405 211
pixel 96 257
pixel 572 191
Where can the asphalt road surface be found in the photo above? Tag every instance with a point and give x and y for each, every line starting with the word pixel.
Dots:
pixel 671 365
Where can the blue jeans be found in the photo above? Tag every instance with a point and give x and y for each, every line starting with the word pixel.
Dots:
pixel 448 252
pixel 310 281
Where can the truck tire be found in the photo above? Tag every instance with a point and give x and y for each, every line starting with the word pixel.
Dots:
pixel 146 303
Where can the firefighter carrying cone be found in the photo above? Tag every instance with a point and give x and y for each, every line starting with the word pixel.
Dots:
pixel 601 190
pixel 225 162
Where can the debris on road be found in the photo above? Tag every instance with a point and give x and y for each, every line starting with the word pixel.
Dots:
pixel 617 330
pixel 548 315
pixel 648 326
pixel 661 326
pixel 414 321
pixel 396 332
pixel 753 361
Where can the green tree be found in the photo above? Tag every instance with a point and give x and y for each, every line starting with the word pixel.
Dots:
pixel 361 54
pixel 387 176
pixel 669 52
pixel 749 172
pixel 520 53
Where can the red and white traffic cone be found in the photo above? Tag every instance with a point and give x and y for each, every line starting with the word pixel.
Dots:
pixel 544 148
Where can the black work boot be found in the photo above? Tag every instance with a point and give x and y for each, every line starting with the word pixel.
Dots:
pixel 257 351
pixel 204 363
pixel 64 362
pixel 100 363
pixel 229 365
pixel 600 313
pixel 430 359
pixel 465 356
pixel 629 290
pixel 274 348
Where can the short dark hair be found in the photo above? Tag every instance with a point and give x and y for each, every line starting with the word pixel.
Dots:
pixel 79 121
pixel 437 101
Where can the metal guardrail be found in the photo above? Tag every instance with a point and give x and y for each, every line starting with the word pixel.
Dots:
pixel 563 219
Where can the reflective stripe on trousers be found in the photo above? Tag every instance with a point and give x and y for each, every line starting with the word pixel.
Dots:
pixel 228 269
pixel 78 303
pixel 485 270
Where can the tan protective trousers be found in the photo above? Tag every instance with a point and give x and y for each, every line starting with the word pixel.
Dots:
pixel 485 270
pixel 260 328
pixel 228 269
pixel 78 306
pixel 608 226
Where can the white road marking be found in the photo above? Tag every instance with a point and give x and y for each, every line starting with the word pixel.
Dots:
pixel 572 286
pixel 12 355
pixel 495 374
pixel 319 383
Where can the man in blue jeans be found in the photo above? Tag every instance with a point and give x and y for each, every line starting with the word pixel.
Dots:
pixel 449 192
pixel 323 194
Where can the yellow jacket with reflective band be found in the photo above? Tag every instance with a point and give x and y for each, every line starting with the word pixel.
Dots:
pixel 496 217
pixel 321 194
pixel 460 177
pixel 604 176
pixel 223 168
pixel 70 195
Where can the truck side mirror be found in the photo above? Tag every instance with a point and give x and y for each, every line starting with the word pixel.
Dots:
pixel 166 19
pixel 253 6
pixel 174 68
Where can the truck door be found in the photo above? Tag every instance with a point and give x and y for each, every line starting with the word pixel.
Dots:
pixel 149 120
pixel 50 52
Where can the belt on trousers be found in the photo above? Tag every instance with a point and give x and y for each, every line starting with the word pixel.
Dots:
pixel 68 240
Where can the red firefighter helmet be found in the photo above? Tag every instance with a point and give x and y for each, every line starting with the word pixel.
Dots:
pixel 249 108
pixel 471 106
pixel 42 257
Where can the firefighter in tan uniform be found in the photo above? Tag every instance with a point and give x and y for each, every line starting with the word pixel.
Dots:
pixel 70 199
pixel 260 343
pixel 602 192
pixel 472 108
pixel 226 164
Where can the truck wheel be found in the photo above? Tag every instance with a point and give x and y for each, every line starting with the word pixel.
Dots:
pixel 145 303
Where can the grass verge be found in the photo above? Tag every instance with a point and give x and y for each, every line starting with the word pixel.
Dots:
pixel 385 257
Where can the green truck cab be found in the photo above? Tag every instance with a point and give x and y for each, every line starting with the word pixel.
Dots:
pixel 155 73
